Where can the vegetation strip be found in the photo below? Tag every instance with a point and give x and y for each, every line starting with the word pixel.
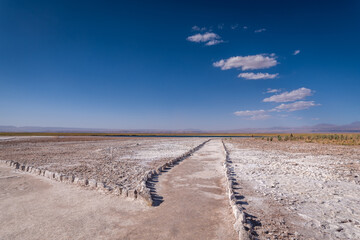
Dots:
pixel 240 217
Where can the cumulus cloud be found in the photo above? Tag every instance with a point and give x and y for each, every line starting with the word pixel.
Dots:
pixel 253 115
pixel 295 106
pixel 260 30
pixel 294 95
pixel 296 52
pixel 257 76
pixel 209 38
pixel 270 90
pixel 250 62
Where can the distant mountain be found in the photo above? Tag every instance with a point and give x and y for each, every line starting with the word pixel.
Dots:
pixel 89 130
pixel 352 127
pixel 319 128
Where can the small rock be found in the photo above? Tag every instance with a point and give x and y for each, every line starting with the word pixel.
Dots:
pixel 339 229
pixel 92 183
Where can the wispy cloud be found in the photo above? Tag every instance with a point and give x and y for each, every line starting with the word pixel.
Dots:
pixel 253 115
pixel 284 107
pixel 209 38
pixel 197 28
pixel 297 94
pixel 296 52
pixel 265 114
pixel 245 27
pixel 257 76
pixel 220 26
pixel 260 30
pixel 259 61
pixel 213 42
pixel 295 106
pixel 235 26
pixel 270 90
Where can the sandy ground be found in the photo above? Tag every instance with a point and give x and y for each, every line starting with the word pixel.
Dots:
pixel 292 190
pixel 114 161
pixel 192 204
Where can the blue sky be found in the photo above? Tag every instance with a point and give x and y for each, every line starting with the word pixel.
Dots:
pixel 179 64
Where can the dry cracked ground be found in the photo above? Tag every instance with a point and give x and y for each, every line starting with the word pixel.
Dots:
pixel 288 190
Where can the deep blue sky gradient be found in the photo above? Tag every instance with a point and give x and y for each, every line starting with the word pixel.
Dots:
pixel 128 65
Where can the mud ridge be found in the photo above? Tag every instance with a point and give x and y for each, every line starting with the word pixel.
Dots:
pixel 146 189
pixel 241 225
pixel 71 179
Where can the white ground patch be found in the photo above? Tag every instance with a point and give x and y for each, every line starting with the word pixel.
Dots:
pixel 319 188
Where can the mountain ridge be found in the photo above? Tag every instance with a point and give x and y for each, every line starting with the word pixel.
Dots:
pixel 319 128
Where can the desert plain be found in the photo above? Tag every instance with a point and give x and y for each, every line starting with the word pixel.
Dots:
pixel 284 190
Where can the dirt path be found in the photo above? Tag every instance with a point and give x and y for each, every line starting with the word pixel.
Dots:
pixel 194 206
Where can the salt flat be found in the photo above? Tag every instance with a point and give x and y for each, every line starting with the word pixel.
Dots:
pixel 288 190
pixel 113 161
pixel 194 205
pixel 298 189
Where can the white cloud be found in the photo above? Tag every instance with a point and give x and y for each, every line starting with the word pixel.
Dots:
pixel 296 52
pixel 235 26
pixel 249 112
pixel 250 62
pixel 297 94
pixel 245 27
pixel 256 76
pixel 295 106
pixel 196 28
pixel 213 42
pixel 253 115
pixel 208 37
pixel 260 117
pixel 260 30
pixel 264 114
pixel 270 90
pixel 203 37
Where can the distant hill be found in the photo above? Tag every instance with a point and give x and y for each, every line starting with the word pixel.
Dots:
pixel 319 128
pixel 89 130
